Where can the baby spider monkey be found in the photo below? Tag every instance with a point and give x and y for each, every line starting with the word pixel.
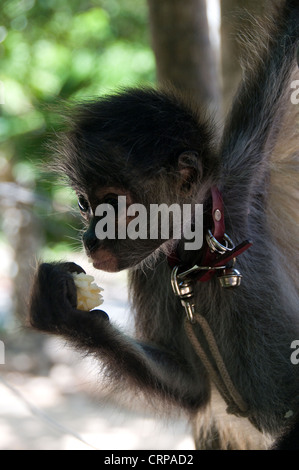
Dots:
pixel 152 147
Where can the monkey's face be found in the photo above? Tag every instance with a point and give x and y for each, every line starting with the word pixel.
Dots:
pixel 120 231
pixel 128 224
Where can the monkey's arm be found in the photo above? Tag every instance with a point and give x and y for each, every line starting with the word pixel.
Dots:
pixel 53 310
pixel 262 101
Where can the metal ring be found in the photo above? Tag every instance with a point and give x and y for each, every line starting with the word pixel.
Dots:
pixel 174 282
pixel 215 245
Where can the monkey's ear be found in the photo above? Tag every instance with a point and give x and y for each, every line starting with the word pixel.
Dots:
pixel 190 169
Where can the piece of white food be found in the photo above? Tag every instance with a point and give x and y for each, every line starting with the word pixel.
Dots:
pixel 88 292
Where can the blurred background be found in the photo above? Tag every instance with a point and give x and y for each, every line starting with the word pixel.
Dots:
pixel 52 52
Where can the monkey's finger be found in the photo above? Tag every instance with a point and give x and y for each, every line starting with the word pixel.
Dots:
pixel 71 267
pixel 100 313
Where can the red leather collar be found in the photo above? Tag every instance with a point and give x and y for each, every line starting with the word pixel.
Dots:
pixel 213 259
pixel 217 214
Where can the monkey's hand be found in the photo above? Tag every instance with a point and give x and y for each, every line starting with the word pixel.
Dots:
pixel 53 303
pixel 53 309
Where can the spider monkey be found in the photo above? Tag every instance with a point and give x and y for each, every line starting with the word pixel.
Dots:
pixel 153 147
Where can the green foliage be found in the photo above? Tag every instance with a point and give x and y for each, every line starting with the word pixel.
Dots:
pixel 57 50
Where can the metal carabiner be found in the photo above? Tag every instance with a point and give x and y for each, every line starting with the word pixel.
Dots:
pixel 184 289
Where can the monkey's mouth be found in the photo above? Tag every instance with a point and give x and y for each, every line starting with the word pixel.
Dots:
pixel 104 260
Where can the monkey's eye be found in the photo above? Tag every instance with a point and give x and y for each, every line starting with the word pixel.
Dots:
pixel 83 204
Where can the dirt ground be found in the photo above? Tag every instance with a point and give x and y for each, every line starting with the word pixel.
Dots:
pixel 46 417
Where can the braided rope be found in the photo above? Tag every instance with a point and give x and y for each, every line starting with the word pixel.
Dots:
pixel 221 377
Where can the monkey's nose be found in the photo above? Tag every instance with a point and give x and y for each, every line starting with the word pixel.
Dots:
pixel 91 243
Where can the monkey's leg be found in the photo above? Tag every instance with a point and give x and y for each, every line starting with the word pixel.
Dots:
pixel 215 429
